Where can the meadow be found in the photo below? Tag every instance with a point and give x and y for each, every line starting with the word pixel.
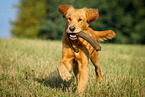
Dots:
pixel 28 68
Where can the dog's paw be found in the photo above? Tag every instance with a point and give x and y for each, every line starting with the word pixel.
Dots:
pixel 80 92
pixel 65 75
pixel 99 79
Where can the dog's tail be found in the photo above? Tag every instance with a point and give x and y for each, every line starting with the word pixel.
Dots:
pixel 104 35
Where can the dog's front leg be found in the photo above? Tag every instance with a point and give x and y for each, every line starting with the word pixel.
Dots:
pixel 63 70
pixel 66 65
pixel 83 73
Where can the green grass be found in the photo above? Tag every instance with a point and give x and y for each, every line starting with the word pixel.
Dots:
pixel 29 68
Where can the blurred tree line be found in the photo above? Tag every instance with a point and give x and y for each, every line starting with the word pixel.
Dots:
pixel 41 19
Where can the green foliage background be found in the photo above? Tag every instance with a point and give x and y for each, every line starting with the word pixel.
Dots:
pixel 41 19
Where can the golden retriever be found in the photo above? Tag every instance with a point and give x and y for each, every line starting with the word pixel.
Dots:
pixel 78 20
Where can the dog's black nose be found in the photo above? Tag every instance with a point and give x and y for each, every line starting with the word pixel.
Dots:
pixel 72 28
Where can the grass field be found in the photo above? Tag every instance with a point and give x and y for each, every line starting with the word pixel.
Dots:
pixel 29 68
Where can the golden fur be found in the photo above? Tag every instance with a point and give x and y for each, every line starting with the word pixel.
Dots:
pixel 78 20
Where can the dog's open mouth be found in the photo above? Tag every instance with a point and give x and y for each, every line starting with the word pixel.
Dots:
pixel 72 36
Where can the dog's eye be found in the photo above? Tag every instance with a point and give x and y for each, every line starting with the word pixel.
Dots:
pixel 69 19
pixel 80 20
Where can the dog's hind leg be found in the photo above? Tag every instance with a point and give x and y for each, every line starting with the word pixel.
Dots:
pixel 95 60
pixel 76 69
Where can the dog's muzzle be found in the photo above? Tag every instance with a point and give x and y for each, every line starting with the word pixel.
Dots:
pixel 72 36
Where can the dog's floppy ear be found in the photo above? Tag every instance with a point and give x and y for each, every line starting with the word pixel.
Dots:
pixel 92 15
pixel 63 9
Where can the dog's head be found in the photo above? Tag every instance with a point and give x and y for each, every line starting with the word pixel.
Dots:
pixel 77 19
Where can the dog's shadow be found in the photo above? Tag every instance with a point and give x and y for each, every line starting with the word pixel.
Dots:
pixel 54 81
